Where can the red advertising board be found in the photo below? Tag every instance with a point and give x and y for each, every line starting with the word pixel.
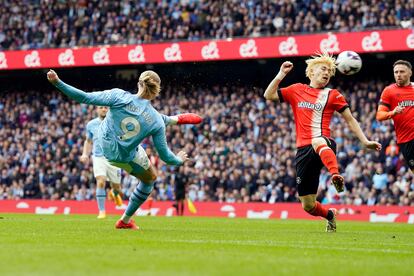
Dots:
pixel 214 209
pixel 207 50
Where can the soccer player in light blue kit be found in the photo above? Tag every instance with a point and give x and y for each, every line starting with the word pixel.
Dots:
pixel 131 118
pixel 102 170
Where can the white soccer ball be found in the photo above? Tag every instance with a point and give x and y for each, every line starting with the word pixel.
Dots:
pixel 348 63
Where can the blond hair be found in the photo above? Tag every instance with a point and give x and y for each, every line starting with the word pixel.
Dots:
pixel 323 58
pixel 151 84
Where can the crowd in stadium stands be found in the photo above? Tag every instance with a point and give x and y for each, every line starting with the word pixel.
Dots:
pixel 28 24
pixel 243 151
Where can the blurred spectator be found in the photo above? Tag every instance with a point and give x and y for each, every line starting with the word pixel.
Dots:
pixel 29 24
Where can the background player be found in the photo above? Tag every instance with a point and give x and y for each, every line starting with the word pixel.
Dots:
pixel 102 170
pixel 313 106
pixel 397 103
pixel 131 119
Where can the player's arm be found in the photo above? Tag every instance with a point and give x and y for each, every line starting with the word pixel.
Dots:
pixel 166 155
pixel 271 90
pixel 356 129
pixel 182 119
pixel 87 149
pixel 384 113
pixel 95 98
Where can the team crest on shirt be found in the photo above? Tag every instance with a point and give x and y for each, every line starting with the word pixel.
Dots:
pixel 411 162
pixel 298 180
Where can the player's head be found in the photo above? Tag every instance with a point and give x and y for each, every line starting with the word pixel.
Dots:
pixel 102 110
pixel 402 72
pixel 320 69
pixel 149 85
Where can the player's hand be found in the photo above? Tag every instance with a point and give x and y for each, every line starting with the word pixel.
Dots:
pixel 183 156
pixel 52 77
pixel 373 145
pixel 84 159
pixel 398 109
pixel 286 67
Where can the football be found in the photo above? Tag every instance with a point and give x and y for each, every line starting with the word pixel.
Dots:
pixel 348 63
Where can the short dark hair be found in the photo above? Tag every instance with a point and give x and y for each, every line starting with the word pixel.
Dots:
pixel 403 62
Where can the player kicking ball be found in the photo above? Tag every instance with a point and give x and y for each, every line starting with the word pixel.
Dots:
pixel 130 119
pixel 313 106
pixel 102 169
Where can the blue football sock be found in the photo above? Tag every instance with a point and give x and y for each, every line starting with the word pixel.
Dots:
pixel 100 197
pixel 140 194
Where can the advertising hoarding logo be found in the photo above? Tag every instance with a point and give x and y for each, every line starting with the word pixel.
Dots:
pixel 136 55
pixel 173 53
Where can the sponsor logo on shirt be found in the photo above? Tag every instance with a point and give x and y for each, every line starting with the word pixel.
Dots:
pixel 308 105
pixel 406 103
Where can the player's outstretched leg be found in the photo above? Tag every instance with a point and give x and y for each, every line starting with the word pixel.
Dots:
pixel 314 208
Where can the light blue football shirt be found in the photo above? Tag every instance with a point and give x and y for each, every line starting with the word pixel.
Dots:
pixel 129 121
pixel 92 128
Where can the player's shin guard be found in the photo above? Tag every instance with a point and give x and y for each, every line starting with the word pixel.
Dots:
pixel 140 194
pixel 328 158
pixel 319 211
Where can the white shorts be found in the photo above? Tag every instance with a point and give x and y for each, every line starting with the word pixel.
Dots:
pixel 140 159
pixel 101 167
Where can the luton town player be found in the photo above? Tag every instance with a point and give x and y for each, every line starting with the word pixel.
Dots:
pixel 397 103
pixel 313 106
pixel 130 119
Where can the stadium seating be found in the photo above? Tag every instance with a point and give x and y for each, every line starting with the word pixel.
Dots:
pixel 50 24
pixel 243 151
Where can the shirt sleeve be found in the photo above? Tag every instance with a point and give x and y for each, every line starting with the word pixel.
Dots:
pixel 89 134
pixel 286 94
pixel 167 120
pixel 109 98
pixel 339 101
pixel 385 99
pixel 160 143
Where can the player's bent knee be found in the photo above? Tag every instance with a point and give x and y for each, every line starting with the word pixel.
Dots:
pixel 308 205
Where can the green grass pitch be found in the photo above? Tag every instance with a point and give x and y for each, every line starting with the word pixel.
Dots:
pixel 82 245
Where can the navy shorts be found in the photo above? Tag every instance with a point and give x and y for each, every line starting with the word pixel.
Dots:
pixel 407 149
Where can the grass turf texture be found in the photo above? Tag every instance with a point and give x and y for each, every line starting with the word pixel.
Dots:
pixel 83 245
